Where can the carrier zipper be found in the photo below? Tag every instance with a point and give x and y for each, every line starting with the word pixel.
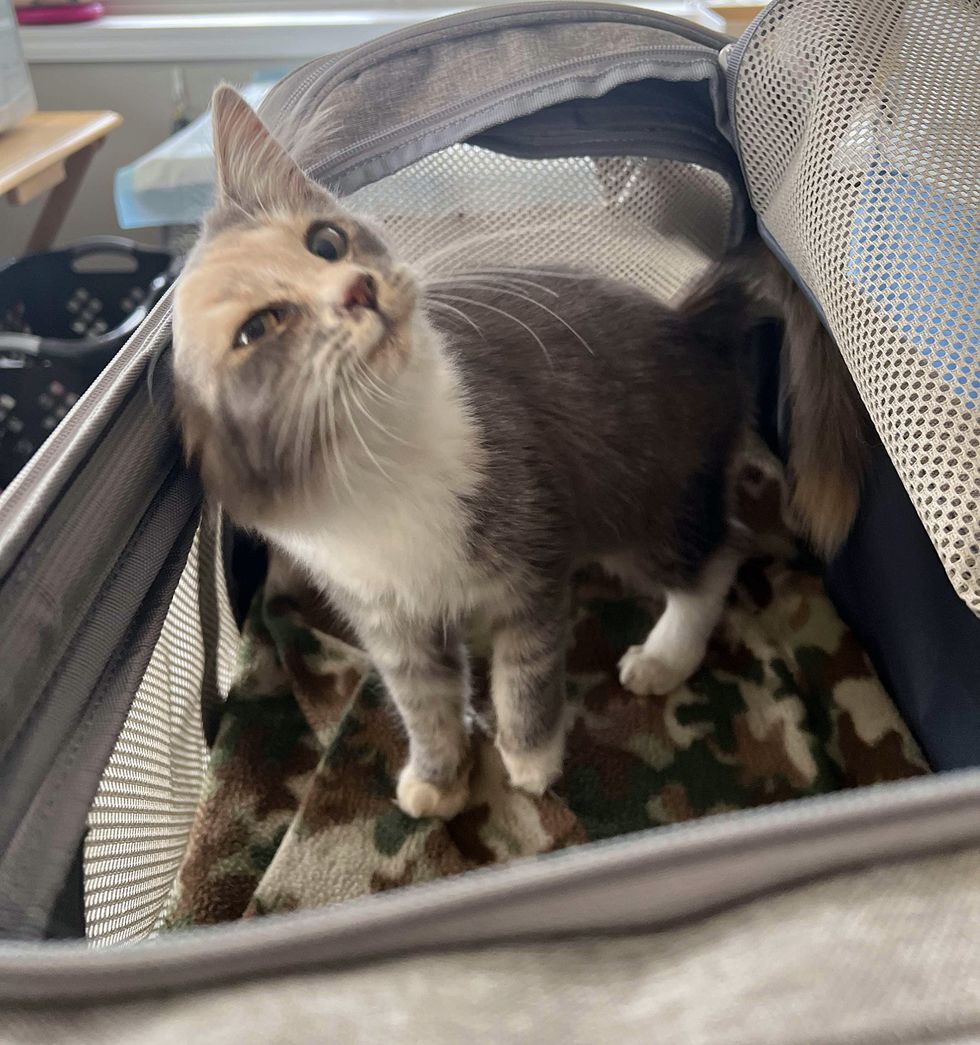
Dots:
pixel 341 162
pixel 475 22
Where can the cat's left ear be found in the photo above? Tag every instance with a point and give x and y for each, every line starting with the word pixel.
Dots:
pixel 254 170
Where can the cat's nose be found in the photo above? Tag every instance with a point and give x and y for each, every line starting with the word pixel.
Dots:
pixel 363 291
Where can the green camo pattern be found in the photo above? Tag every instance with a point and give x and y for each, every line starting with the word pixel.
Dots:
pixel 298 811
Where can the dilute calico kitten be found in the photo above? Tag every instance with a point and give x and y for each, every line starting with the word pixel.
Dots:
pixel 423 463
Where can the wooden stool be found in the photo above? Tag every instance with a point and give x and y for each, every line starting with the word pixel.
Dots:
pixel 50 151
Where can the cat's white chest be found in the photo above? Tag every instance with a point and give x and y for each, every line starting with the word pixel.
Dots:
pixel 414 557
pixel 392 528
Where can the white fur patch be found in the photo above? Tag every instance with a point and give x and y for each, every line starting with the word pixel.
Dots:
pixel 536 770
pixel 678 642
pixel 418 798
pixel 648 673
pixel 391 529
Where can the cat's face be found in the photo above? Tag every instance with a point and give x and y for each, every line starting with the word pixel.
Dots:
pixel 287 307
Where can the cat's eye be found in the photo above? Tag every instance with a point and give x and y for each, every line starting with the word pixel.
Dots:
pixel 258 326
pixel 326 241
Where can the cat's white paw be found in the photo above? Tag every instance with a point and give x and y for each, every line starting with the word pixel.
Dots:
pixel 648 673
pixel 419 798
pixel 535 771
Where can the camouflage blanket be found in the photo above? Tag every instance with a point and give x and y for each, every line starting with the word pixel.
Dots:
pixel 299 812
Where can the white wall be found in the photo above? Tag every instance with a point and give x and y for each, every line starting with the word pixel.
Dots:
pixel 142 94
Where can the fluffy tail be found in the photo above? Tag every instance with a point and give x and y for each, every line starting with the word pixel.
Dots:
pixel 828 451
pixel 723 306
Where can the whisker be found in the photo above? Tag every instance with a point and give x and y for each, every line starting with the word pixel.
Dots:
pixel 299 438
pixel 341 388
pixel 490 279
pixel 322 406
pixel 352 380
pixel 288 416
pixel 508 315
pixel 299 408
pixel 456 311
pixel 536 271
pixel 375 383
pixel 307 416
pixel 551 312
pixel 328 400
pixel 360 373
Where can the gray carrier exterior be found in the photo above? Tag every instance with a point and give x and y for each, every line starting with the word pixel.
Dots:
pixel 749 927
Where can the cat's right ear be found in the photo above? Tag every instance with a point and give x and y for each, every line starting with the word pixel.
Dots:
pixel 253 169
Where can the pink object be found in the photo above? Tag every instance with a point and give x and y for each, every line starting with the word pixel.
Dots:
pixel 60 15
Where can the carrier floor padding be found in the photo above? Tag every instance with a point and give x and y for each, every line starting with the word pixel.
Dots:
pixel 298 810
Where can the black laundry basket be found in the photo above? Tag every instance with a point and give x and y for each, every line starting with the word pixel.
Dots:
pixel 63 315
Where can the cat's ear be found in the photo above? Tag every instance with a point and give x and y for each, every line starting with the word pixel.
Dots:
pixel 253 169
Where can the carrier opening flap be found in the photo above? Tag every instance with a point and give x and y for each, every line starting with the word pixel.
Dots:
pixel 354 119
pixel 857 129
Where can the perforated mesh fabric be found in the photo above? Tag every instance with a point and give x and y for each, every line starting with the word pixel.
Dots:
pixel 859 128
pixel 655 223
pixel 142 814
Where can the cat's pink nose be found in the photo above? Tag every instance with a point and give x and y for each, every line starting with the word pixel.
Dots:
pixel 363 291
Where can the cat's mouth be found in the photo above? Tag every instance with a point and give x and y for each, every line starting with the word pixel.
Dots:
pixel 369 318
pixel 366 330
pixel 368 321
pixel 376 310
pixel 362 293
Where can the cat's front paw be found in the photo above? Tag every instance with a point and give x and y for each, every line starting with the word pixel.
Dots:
pixel 534 771
pixel 420 798
pixel 652 674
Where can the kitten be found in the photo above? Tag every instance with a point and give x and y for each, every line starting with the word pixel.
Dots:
pixel 423 465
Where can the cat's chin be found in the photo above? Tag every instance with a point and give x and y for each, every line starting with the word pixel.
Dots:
pixel 385 353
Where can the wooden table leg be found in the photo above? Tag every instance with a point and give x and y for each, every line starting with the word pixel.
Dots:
pixel 60 199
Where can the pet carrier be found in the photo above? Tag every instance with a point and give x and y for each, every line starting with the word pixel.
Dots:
pixel 641 146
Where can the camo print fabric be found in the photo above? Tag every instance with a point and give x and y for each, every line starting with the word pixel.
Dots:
pixel 298 810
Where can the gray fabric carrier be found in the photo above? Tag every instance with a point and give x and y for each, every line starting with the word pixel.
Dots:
pixel 643 146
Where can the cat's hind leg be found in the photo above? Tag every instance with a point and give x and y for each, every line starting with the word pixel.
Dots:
pixel 676 646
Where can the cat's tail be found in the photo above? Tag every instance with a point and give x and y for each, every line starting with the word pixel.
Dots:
pixel 828 449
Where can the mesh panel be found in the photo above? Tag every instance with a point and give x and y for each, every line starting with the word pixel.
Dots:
pixel 654 223
pixel 141 816
pixel 860 135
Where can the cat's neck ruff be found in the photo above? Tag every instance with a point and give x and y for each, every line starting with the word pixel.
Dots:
pixel 391 524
